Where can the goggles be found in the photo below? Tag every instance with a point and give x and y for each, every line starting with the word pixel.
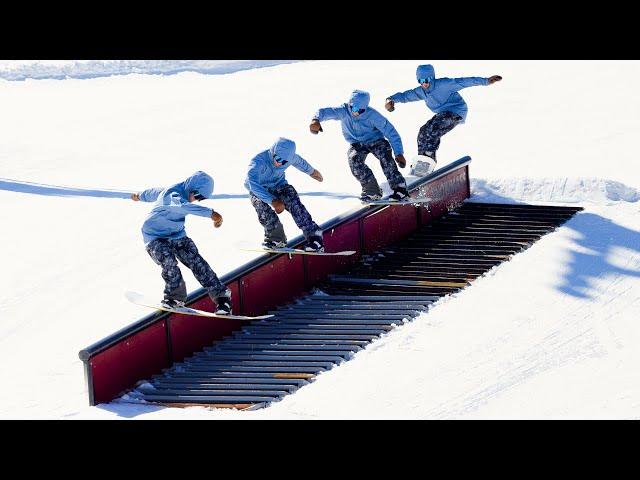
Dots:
pixel 356 110
pixel 424 80
pixel 198 196
pixel 279 159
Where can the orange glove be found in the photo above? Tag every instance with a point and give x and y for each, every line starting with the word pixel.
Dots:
pixel 278 206
pixel 390 105
pixel 315 127
pixel 217 219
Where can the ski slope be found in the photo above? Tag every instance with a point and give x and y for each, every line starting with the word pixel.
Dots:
pixel 562 344
pixel 64 69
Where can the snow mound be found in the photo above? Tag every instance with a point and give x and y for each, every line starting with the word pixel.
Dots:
pixel 558 190
pixel 62 69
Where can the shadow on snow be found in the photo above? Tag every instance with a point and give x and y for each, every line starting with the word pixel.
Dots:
pixel 62 191
pixel 595 244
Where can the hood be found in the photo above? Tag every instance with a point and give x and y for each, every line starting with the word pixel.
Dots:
pixel 200 182
pixel 425 71
pixel 359 99
pixel 285 149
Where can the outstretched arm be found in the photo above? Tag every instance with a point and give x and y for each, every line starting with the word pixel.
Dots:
pixel 176 202
pixel 304 166
pixel 402 97
pixel 407 96
pixel 464 82
pixel 329 114
pixel 149 195
pixel 187 208
pixel 325 114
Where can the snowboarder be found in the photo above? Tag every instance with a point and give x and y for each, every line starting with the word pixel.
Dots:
pixel 271 194
pixel 367 131
pixel 442 97
pixel 165 239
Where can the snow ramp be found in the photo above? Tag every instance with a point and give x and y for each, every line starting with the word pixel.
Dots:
pixel 407 257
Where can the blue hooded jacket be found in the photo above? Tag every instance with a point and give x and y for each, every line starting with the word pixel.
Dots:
pixel 365 128
pixel 166 219
pixel 442 94
pixel 264 175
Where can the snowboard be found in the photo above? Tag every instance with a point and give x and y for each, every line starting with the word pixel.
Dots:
pixel 421 165
pixel 297 251
pixel 139 299
pixel 408 201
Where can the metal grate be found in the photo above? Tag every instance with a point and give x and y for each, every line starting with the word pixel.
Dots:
pixel 268 359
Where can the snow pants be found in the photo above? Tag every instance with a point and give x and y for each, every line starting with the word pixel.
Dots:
pixel 268 218
pixel 164 251
pixel 381 149
pixel 431 132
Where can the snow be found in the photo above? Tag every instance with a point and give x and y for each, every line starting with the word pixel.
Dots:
pixel 63 69
pixel 563 342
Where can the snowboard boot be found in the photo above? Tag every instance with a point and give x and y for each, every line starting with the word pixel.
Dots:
pixel 275 238
pixel 172 303
pixel 315 243
pixel 272 244
pixel 366 198
pixel 371 191
pixel 223 302
pixel 399 194
pixel 176 297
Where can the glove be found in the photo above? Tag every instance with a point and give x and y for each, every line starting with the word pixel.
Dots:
pixel 494 79
pixel 278 205
pixel 401 161
pixel 316 175
pixel 390 105
pixel 315 126
pixel 217 219
pixel 135 197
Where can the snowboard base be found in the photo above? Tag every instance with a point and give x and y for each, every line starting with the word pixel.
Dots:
pixel 421 166
pixel 409 201
pixel 297 251
pixel 139 299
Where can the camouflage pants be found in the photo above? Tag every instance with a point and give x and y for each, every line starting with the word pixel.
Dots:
pixel 164 251
pixel 268 218
pixel 430 133
pixel 381 149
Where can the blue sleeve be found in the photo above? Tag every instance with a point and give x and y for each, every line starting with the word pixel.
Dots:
pixel 176 202
pixel 329 114
pixel 408 96
pixel 302 165
pixel 151 194
pixel 389 132
pixel 464 82
pixel 254 182
pixel 191 209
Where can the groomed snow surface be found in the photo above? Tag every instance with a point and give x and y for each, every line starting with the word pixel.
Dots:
pixel 552 333
pixel 63 69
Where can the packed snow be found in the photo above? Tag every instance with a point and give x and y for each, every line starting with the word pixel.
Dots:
pixel 552 333
pixel 63 69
